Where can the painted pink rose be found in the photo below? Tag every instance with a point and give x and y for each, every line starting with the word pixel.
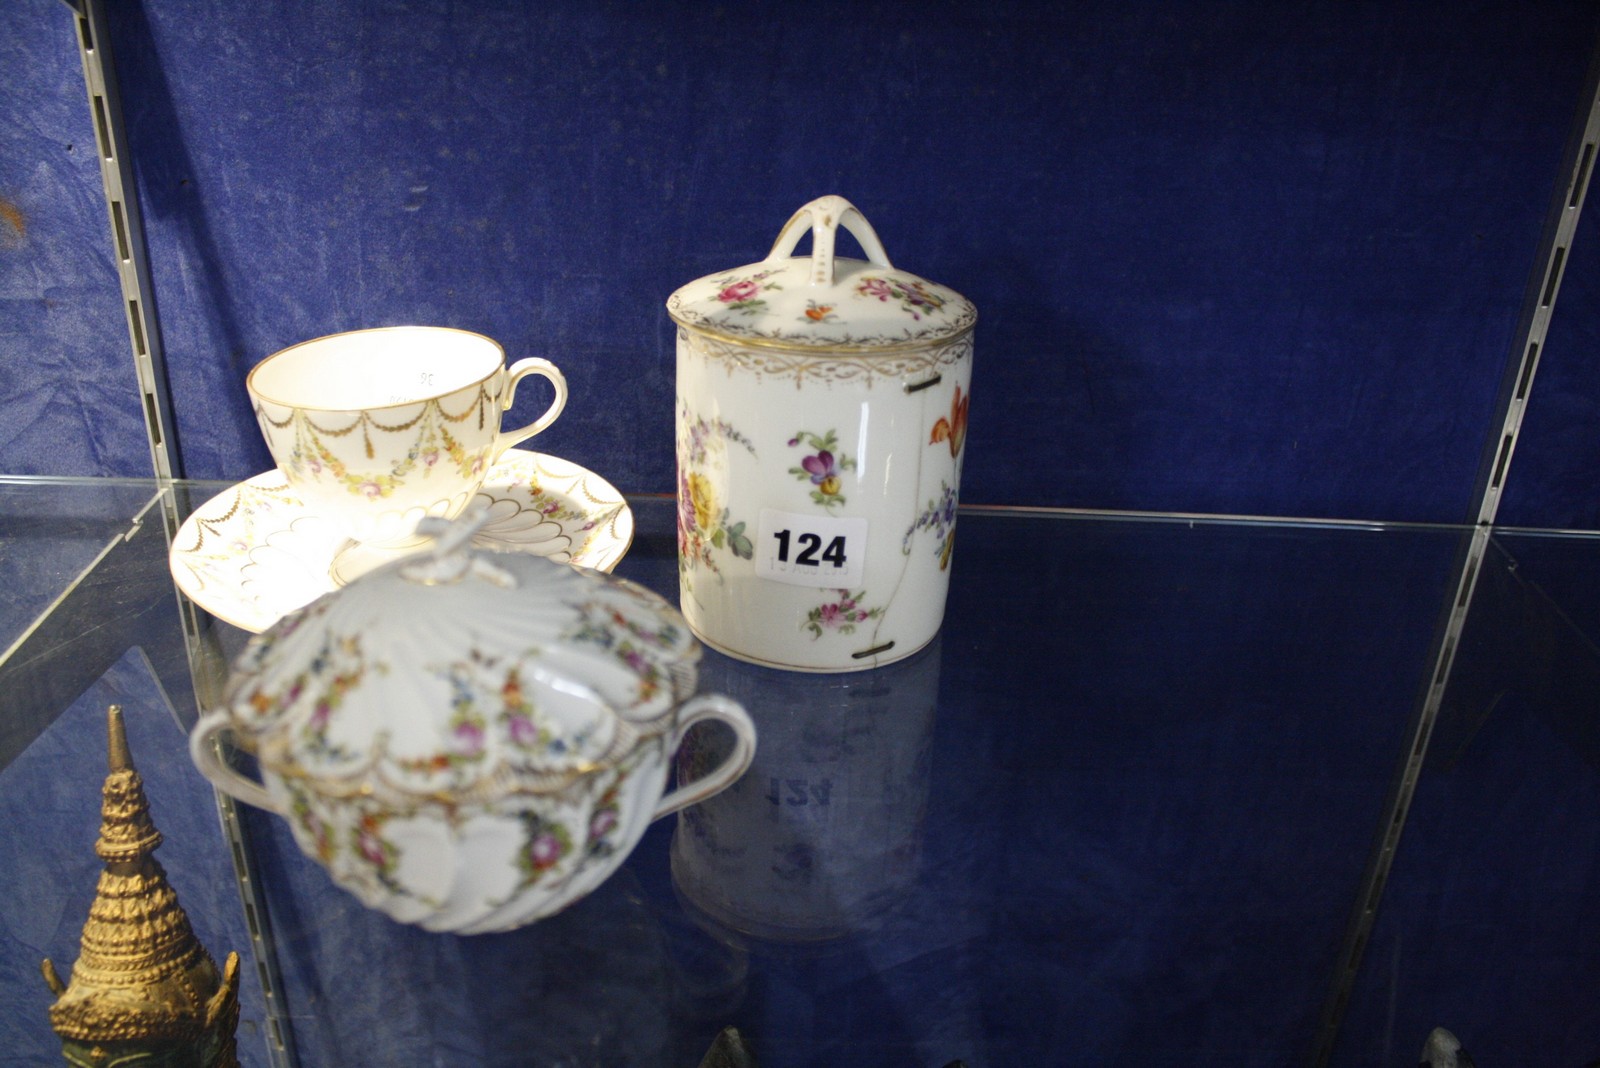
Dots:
pixel 469 739
pixel 602 823
pixel 522 730
pixel 544 851
pixel 371 847
pixel 739 291
pixel 685 502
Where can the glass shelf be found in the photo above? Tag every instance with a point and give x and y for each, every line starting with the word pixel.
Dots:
pixel 1123 811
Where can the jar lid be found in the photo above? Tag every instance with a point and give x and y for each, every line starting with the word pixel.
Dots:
pixel 823 301
pixel 461 675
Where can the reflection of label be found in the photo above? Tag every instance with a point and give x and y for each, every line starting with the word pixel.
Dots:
pixel 811 550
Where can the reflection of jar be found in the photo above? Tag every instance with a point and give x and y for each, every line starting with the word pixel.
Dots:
pixel 824 833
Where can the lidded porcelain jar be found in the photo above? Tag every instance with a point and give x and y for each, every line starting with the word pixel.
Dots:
pixel 470 741
pixel 821 413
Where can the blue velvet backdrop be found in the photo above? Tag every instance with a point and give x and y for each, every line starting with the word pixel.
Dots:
pixel 1238 257
pixel 1555 473
pixel 1244 257
pixel 69 400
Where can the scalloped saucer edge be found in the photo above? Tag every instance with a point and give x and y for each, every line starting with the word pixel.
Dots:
pixel 255 552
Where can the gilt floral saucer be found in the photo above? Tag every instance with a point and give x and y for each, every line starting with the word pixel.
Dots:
pixel 255 552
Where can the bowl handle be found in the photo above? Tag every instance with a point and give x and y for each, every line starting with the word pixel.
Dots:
pixel 206 753
pixel 729 711
pixel 823 217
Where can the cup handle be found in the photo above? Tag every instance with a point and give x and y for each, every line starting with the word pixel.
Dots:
pixel 207 756
pixel 823 217
pixel 711 706
pixel 517 372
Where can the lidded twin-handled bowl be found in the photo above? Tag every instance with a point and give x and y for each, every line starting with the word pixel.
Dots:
pixel 470 740
pixel 821 417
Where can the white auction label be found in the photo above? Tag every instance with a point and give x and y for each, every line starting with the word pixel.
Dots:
pixel 811 550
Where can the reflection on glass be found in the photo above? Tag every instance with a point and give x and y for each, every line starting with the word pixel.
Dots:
pixel 824 832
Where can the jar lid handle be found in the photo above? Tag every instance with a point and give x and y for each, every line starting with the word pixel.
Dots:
pixel 823 217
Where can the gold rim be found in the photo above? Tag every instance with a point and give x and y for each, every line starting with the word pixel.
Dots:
pixel 827 350
pixel 250 379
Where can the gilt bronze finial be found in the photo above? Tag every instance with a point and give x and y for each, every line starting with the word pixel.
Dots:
pixel 144 992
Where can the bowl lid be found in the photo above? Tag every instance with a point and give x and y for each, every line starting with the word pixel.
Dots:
pixel 462 675
pixel 823 301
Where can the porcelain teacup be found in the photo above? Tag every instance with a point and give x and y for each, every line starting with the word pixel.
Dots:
pixel 375 429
